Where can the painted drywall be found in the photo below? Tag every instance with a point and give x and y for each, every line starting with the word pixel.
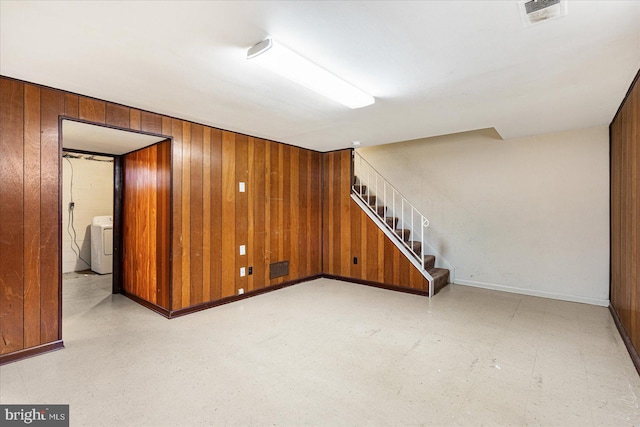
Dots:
pixel 93 196
pixel 526 215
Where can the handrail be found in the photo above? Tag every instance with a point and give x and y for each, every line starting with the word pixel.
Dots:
pixel 363 171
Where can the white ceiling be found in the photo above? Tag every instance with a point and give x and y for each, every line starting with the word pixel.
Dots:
pixel 99 139
pixel 435 67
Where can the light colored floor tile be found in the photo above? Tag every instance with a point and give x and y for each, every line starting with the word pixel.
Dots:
pixel 333 353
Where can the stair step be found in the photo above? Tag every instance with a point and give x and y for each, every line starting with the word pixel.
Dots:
pixel 370 199
pixel 356 180
pixel 403 234
pixel 391 221
pixel 440 278
pixel 429 262
pixel 360 189
pixel 415 246
pixel 380 210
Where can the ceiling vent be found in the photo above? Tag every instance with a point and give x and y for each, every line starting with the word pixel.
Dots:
pixel 537 11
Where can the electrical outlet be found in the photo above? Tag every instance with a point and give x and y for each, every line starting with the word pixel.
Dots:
pixel 250 271
pixel 242 272
pixel 355 259
pixel 243 250
pixel 241 187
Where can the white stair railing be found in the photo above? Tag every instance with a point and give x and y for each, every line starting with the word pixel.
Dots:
pixel 389 204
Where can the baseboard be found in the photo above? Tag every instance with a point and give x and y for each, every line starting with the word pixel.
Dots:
pixel 378 285
pixel 151 306
pixel 534 293
pixel 233 298
pixel 31 352
pixel 635 358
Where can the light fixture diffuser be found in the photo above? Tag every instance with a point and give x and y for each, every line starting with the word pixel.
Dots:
pixel 289 64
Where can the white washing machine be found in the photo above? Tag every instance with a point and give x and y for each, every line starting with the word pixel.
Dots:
pixel 102 244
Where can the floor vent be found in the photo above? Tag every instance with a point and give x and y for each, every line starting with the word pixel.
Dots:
pixel 278 269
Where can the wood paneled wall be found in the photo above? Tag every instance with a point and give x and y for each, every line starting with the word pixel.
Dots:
pixel 29 215
pixel 146 220
pixel 349 232
pixel 625 217
pixel 278 217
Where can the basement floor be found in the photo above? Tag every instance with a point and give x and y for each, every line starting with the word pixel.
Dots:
pixel 332 353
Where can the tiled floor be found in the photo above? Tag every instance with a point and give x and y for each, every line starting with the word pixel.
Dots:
pixel 334 353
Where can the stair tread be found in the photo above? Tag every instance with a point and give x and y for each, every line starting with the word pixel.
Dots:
pixel 437 272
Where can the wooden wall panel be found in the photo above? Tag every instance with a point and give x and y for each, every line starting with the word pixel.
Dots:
pixel 11 216
pixel 32 222
pixel 92 110
pixel 176 211
pixel 228 214
pixel 196 220
pixel 146 208
pixel 349 233
pixel 117 115
pixel 625 217
pixel 215 260
pixel 52 105
pixel 241 211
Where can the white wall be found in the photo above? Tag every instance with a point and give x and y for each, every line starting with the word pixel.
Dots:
pixel 93 196
pixel 526 215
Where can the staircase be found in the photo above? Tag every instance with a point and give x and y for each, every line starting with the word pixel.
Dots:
pixel 396 214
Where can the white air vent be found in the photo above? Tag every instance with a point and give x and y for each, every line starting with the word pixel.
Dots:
pixel 537 11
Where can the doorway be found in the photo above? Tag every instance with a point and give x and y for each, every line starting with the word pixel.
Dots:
pixel 104 197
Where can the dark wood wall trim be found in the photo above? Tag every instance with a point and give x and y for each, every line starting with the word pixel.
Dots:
pixel 380 285
pixel 118 197
pixel 31 352
pixel 151 306
pixel 226 300
pixel 635 357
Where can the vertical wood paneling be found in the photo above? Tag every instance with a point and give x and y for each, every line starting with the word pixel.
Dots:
pixel 625 214
pixel 279 218
pixel 51 107
pixel 275 221
pixel 117 115
pixel 316 223
pixel 92 110
pixel 293 209
pixel 258 207
pixel 146 223
pixel 176 203
pixel 11 216
pixel 186 217
pixel 304 241
pixel 206 214
pixel 349 232
pixel 216 215
pixel 228 214
pixel 241 209
pixel 71 105
pixel 151 122
pixel 135 120
pixel 163 229
pixel 196 213
pixel 32 222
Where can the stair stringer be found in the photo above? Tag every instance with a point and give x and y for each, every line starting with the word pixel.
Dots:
pixel 396 241
pixel 441 260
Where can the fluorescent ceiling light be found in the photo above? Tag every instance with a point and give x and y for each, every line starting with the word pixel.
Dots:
pixel 281 60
